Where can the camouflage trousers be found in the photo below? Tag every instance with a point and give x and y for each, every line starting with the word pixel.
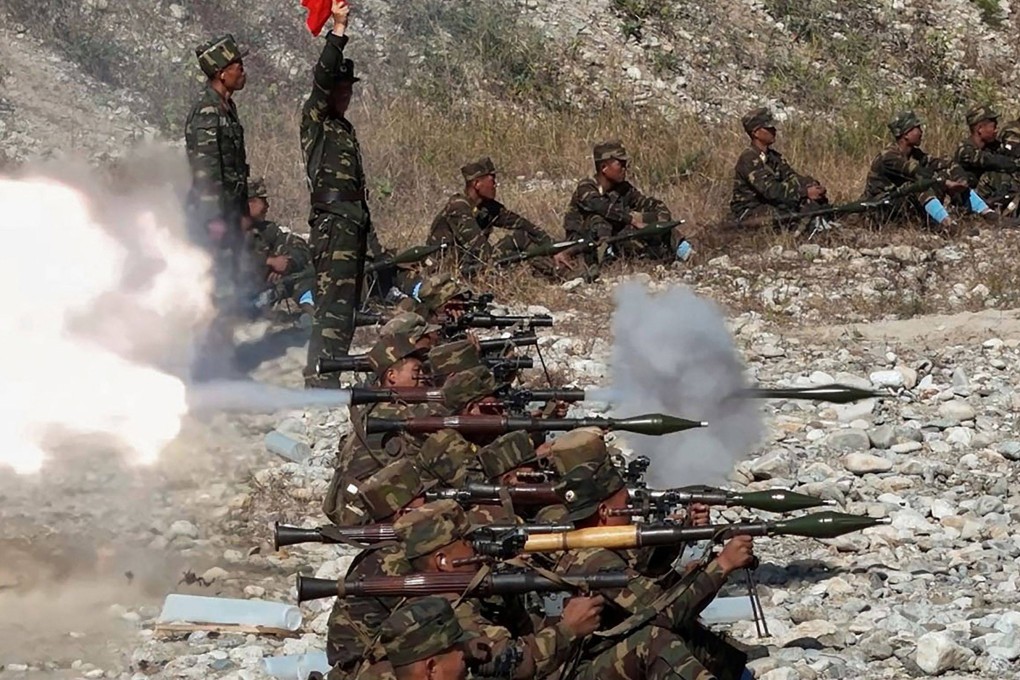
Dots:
pixel 339 245
pixel 776 218
pixel 999 189
pixel 597 228
pixel 518 242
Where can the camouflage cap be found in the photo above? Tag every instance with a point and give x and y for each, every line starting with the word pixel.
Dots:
pixel 390 349
pixel 479 168
pixel 431 527
pixel 391 489
pixel 437 290
pixel 448 457
pixel 464 387
pixel 577 447
pixel 257 188
pixel 410 324
pixel 420 629
pixel 757 118
pixel 552 514
pixel 217 54
pixel 584 487
pixel 903 122
pixel 453 357
pixel 508 452
pixel 607 151
pixel 981 113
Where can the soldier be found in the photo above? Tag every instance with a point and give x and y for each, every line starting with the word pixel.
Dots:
pixel 470 219
pixel 279 258
pixel 764 185
pixel 607 204
pixel 341 226
pixel 214 140
pixel 987 169
pixel 424 335
pixel 423 640
pixel 434 540
pixel 903 163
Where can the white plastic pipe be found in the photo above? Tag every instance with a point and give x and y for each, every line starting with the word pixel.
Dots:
pixel 295 666
pixel 728 610
pixel 196 609
pixel 287 447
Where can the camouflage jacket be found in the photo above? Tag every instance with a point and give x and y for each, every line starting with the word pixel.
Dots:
pixel 214 141
pixel 268 239
pixel 470 228
pixel 614 206
pixel 893 168
pixel 1009 139
pixel 765 178
pixel 354 622
pixel 975 162
pixel 329 143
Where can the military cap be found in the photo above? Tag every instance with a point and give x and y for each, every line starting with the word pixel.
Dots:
pixel 345 74
pixel 447 456
pixel 587 485
pixel 217 54
pixel 257 188
pixel 508 452
pixel 410 324
pixel 583 445
pixel 903 122
pixel 453 357
pixel 464 387
pixel 421 629
pixel 437 290
pixel 552 514
pixel 479 168
pixel 981 113
pixel 758 118
pixel 390 349
pixel 611 150
pixel 431 527
pixel 391 489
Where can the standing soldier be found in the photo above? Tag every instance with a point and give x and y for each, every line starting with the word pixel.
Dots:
pixel 214 140
pixel 341 227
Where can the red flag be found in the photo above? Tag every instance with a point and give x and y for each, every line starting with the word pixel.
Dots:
pixel 319 12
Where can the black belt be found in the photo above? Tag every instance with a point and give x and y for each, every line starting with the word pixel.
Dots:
pixel 328 196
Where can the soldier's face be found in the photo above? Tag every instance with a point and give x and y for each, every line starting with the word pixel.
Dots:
pixel 458 550
pixel 486 187
pixel 987 130
pixel 766 135
pixel 615 170
pixel 257 208
pixel 405 373
pixel 340 97
pixel 234 77
pixel 488 406
pixel 447 666
pixel 617 501
pixel 914 135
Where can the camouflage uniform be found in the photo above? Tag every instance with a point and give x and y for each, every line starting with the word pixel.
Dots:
pixel 409 324
pixel 436 525
pixel 596 214
pixel 449 459
pixel 469 227
pixel 989 170
pixel 341 226
pixel 268 239
pixel 214 141
pixel 647 640
pixel 354 621
pixel 764 184
pixel 450 358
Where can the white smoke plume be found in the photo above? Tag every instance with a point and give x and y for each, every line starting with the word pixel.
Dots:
pixel 673 354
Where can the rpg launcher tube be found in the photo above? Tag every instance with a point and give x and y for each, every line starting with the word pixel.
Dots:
pixel 431 395
pixel 409 256
pixel 417 585
pixel 368 534
pixel 520 495
pixel 363 319
pixel 816 525
pixel 472 320
pixel 772 500
pixel 359 363
pixel 835 393
pixel 654 424
pixel 502 344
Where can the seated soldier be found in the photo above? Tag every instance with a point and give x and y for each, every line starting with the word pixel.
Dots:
pixel 766 190
pixel 607 204
pixel 448 458
pixel 424 335
pixel 423 640
pixel 987 169
pixel 501 462
pixel 449 358
pixel 914 182
pixel 280 261
pixel 469 221
pixel 437 298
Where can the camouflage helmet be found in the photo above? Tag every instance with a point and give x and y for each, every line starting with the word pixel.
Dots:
pixel 409 324
pixel 420 629
pixel 903 122
pixel 217 54
pixel 508 452
pixel 477 169
pixel 437 290
pixel 431 527
pixel 981 113
pixel 583 445
pixel 757 118
pixel 587 485
pixel 257 189
pixel 447 456
pixel 611 150
pixel 391 489
pixel 390 349
pixel 464 387
pixel 453 357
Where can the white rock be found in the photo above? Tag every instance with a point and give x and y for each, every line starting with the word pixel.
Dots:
pixel 937 653
pixel 182 527
pixel 909 376
pixel 248 655
pixel 941 508
pixel 887 379
pixel 957 410
pixel 784 673
pixel 214 573
pixel 865 463
pixel 961 436
pixel 849 440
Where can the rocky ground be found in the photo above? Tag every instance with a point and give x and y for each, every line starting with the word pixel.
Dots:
pixel 91 550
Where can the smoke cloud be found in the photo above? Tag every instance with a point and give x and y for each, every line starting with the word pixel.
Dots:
pixel 673 354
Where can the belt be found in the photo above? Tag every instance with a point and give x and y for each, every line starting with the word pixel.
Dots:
pixel 328 196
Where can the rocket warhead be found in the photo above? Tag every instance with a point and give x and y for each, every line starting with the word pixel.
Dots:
pixel 654 424
pixel 835 393
pixel 776 500
pixel 824 524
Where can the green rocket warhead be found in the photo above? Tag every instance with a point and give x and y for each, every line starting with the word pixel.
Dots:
pixel 825 524
pixel 409 256
pixel 771 500
pixel 835 393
